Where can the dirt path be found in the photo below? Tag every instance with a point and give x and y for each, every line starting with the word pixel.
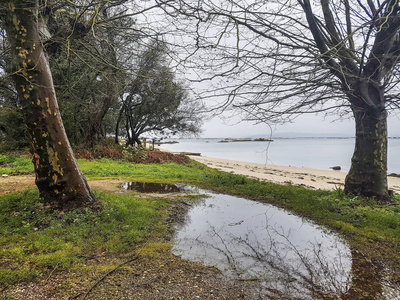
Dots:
pixel 13 184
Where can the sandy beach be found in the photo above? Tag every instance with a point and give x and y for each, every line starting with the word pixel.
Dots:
pixel 310 178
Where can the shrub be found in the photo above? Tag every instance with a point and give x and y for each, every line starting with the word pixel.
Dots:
pixel 158 157
pixel 134 154
pixel 100 151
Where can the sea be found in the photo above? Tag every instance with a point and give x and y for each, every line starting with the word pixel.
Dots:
pixel 309 152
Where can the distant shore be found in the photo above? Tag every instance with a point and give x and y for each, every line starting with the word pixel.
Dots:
pixel 310 178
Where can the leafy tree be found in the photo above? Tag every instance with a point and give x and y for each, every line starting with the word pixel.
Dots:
pixel 89 72
pixel 155 102
pixel 278 59
pixel 28 26
pixel 39 30
pixel 12 129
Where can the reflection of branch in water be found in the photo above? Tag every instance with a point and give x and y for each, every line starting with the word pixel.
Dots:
pixel 321 271
pixel 320 278
pixel 285 263
pixel 281 267
pixel 226 252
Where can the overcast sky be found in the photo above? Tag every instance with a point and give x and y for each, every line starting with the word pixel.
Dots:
pixel 309 125
pixel 305 125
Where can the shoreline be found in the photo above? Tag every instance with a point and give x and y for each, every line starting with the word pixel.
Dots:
pixel 307 177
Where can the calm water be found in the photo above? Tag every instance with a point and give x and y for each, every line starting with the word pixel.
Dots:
pixel 316 153
pixel 289 257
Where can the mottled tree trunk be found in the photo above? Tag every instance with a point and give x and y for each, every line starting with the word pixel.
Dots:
pixel 58 177
pixel 368 172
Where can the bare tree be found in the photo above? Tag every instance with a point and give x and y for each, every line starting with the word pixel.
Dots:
pixel 277 59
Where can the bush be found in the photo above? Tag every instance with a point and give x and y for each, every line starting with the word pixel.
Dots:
pixel 159 157
pixel 134 154
pixel 6 159
pixel 100 151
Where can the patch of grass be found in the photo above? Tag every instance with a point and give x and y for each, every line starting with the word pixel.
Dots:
pixel 168 172
pixel 15 164
pixel 14 276
pixel 360 219
pixel 153 249
pixel 43 240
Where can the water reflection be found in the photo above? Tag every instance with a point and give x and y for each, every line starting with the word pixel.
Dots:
pixel 151 187
pixel 290 258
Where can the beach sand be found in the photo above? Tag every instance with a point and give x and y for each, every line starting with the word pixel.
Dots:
pixel 309 178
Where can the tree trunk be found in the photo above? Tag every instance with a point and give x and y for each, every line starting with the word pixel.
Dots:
pixel 117 124
pixel 58 177
pixel 113 89
pixel 368 172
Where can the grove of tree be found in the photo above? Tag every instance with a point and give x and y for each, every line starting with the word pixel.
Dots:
pixel 85 53
pixel 271 60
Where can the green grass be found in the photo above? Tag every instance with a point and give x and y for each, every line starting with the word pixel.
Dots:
pixel 35 240
pixel 362 221
pixel 15 164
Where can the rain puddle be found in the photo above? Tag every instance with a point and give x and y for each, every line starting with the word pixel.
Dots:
pixel 151 187
pixel 289 257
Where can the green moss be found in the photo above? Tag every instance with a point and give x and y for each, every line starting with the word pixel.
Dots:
pixel 153 249
pixel 14 276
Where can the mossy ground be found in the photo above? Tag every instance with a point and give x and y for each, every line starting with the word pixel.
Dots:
pixel 76 248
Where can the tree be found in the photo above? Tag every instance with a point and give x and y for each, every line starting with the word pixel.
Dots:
pixel 279 59
pixel 88 69
pixel 112 76
pixel 12 129
pixel 58 177
pixel 154 101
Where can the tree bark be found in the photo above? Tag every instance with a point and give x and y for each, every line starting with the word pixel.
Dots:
pixel 113 90
pixel 368 172
pixel 58 177
pixel 121 111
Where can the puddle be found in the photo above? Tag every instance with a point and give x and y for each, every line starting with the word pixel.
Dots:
pixel 289 257
pixel 151 187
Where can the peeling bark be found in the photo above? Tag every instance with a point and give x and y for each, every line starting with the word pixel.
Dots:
pixel 58 177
